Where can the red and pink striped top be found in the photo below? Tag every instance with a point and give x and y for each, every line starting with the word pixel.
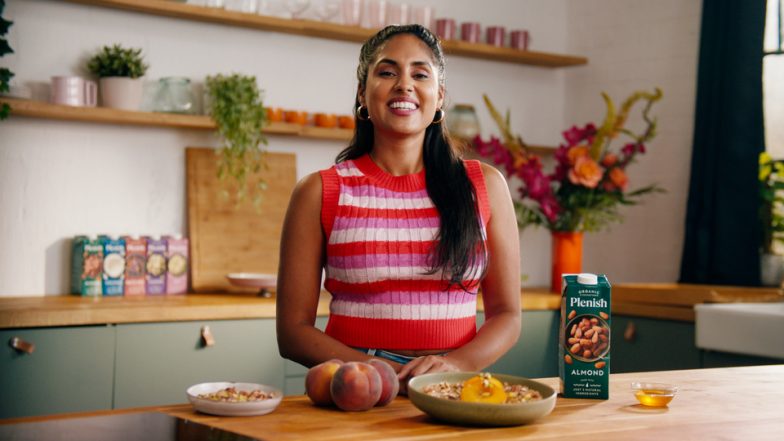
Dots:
pixel 380 230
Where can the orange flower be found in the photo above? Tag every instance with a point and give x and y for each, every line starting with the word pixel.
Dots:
pixel 586 172
pixel 609 160
pixel 618 178
pixel 577 152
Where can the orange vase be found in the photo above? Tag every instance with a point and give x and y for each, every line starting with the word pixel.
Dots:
pixel 567 256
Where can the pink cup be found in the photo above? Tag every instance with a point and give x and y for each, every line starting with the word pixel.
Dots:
pixel 519 39
pixel 422 15
pixel 74 91
pixel 470 32
pixel 445 28
pixel 496 35
pixel 350 10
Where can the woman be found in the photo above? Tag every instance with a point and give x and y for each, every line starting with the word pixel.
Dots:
pixel 405 230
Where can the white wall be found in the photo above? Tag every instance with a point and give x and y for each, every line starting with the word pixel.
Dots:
pixel 640 44
pixel 59 179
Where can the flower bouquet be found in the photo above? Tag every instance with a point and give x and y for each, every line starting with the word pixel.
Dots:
pixel 771 213
pixel 588 185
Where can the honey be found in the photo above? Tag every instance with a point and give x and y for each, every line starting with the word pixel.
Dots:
pixel 654 397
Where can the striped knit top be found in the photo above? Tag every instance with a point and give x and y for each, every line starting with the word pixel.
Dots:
pixel 380 229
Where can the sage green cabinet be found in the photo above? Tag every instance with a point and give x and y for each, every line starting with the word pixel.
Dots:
pixel 295 373
pixel 535 355
pixel 70 370
pixel 644 344
pixel 156 362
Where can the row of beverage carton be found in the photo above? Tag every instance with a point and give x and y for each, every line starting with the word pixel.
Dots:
pixel 129 265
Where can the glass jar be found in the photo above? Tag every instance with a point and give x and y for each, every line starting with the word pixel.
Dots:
pixel 174 95
pixel 462 122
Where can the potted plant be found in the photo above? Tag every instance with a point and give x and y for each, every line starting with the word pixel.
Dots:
pixel 771 177
pixel 5 74
pixel 119 71
pixel 235 103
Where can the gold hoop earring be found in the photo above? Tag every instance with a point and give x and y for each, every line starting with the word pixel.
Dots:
pixel 440 117
pixel 359 115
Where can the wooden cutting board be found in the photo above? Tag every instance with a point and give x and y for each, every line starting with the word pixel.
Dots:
pixel 227 237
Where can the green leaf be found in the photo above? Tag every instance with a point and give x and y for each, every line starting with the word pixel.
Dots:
pixel 5 48
pixel 5 25
pixel 5 110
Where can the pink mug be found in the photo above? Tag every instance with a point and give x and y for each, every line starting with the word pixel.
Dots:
pixel 519 39
pixel 445 28
pixel 74 91
pixel 496 35
pixel 470 32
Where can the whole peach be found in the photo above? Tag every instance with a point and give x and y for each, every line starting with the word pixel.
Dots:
pixel 356 386
pixel 318 380
pixel 390 385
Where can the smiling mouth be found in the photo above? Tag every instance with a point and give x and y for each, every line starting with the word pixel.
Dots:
pixel 403 105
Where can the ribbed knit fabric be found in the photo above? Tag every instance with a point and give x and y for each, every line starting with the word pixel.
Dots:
pixel 380 230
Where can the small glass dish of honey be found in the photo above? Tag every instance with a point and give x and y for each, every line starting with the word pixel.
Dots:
pixel 654 394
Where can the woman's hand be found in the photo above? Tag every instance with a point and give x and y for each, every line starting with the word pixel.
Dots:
pixel 426 365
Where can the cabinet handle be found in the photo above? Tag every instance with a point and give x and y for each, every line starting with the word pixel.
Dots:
pixel 630 333
pixel 21 345
pixel 206 336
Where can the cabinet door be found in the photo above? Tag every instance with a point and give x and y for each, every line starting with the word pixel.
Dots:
pixel 70 370
pixel 535 355
pixel 157 362
pixel 653 345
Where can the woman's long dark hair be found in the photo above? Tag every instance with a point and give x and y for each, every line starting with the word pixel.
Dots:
pixel 461 249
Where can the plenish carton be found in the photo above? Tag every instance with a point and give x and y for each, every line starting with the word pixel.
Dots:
pixel 87 266
pixel 156 265
pixel 113 265
pixel 584 343
pixel 135 263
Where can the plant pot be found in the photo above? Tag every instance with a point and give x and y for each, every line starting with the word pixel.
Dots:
pixel 567 256
pixel 771 269
pixel 121 92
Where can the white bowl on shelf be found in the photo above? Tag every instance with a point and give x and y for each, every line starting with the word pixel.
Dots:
pixel 262 282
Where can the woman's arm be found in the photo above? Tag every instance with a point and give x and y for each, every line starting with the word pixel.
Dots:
pixel 500 291
pixel 299 282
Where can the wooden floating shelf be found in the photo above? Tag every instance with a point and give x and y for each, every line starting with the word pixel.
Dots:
pixel 332 31
pixel 102 115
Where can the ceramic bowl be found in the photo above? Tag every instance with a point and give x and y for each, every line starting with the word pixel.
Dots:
pixel 247 408
pixel 253 280
pixel 480 414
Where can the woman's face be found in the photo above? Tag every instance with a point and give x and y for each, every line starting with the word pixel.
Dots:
pixel 402 91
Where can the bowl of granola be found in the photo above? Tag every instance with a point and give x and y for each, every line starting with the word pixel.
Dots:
pixel 481 399
pixel 234 399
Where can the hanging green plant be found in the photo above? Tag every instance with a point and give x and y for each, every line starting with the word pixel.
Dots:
pixel 5 73
pixel 235 104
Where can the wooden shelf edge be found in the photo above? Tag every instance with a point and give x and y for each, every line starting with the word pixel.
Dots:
pixel 311 28
pixel 102 115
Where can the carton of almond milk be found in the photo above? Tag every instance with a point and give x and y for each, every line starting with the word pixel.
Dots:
pixel 176 264
pixel 113 265
pixel 87 266
pixel 135 262
pixel 156 265
pixel 584 340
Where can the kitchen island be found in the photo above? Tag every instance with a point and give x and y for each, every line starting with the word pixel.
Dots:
pixel 724 403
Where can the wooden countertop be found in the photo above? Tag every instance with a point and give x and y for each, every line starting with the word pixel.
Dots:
pixel 727 403
pixel 664 301
pixel 67 310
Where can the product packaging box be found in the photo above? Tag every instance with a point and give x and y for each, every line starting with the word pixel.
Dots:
pixel 584 343
pixel 156 265
pixel 113 265
pixel 135 262
pixel 87 266
pixel 177 265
